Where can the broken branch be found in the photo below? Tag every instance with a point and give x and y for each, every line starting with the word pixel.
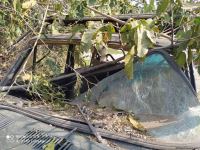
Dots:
pixel 108 16
pixel 97 135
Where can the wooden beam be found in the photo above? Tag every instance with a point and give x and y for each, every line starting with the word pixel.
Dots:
pixel 68 39
pixel 83 20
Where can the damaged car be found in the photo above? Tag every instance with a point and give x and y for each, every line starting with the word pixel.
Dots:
pixel 158 107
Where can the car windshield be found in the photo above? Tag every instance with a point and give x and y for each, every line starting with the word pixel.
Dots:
pixel 159 95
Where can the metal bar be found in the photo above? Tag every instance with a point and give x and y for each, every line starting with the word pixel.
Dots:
pixel 15 87
pixel 49 140
pixel 46 140
pixel 26 134
pixel 36 145
pixel 192 78
pixel 10 76
pixel 42 140
pixel 5 124
pixel 35 137
pixel 64 145
pixel 38 138
pixel 68 146
pixel 58 140
pixel 34 59
pixel 70 59
pixel 2 116
pixel 64 140
pixel 29 136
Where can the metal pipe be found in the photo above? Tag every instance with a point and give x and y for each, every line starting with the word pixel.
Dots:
pixel 12 73
pixel 15 87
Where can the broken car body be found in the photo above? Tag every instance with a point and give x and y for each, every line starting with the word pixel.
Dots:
pixel 160 95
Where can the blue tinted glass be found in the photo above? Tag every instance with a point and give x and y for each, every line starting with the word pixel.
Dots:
pixel 156 88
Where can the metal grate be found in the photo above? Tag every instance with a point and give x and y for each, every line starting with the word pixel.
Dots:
pixel 4 121
pixel 38 139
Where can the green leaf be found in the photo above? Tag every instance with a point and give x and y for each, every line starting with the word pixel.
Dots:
pixel 113 3
pixel 50 145
pixel 86 40
pixel 80 9
pixel 197 20
pixel 77 28
pixel 149 7
pixel 126 27
pixel 142 42
pixel 136 124
pixel 4 1
pixel 134 23
pixel 162 6
pixel 17 5
pixel 29 4
pixel 91 2
pixel 18 31
pixel 54 67
pixel 197 62
pixel 109 28
pixel 179 2
pixel 150 36
pixel 54 30
pixel 125 33
pixel 58 6
pixel 184 34
pixel 181 59
pixel 129 63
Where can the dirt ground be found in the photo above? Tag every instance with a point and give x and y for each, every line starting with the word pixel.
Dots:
pixel 104 118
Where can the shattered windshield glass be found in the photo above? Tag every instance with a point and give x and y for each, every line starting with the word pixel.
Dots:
pixel 159 95
pixel 156 88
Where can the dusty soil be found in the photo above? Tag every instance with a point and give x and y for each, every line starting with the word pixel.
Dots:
pixel 104 118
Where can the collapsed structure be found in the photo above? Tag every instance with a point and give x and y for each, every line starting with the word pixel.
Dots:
pixel 161 95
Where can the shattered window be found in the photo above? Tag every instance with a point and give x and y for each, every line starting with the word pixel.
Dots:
pixel 158 87
pixel 159 95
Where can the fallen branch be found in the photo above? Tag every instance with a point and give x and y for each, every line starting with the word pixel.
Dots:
pixel 94 131
pixel 100 18
pixel 108 16
pixel 17 87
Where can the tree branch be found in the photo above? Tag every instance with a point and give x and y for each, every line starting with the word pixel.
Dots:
pixel 108 16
